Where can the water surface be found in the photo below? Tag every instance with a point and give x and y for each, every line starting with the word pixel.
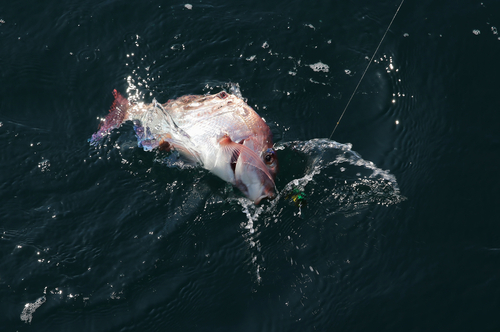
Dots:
pixel 400 230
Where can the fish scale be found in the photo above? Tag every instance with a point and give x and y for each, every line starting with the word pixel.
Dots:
pixel 219 132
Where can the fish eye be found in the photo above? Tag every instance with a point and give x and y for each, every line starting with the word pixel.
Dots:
pixel 270 156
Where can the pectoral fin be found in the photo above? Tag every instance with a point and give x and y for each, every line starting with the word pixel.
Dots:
pixel 242 154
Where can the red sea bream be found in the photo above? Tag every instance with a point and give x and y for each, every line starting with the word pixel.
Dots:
pixel 219 132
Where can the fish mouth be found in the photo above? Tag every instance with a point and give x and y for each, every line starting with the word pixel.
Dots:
pixel 259 199
pixel 269 195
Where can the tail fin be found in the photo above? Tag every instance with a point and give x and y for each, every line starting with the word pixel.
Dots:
pixel 117 115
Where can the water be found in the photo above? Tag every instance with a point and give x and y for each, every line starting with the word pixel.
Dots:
pixel 399 230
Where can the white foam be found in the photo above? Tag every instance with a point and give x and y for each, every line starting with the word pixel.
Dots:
pixel 320 67
pixel 29 309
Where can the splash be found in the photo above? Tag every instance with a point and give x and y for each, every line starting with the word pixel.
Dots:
pixel 341 177
pixel 334 179
pixel 252 212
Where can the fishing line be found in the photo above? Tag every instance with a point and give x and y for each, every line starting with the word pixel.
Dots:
pixel 366 69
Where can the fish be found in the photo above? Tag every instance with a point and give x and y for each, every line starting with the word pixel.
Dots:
pixel 219 132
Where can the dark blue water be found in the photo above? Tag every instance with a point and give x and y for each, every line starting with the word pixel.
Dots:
pixel 401 228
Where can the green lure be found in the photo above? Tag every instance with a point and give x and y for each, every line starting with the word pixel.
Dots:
pixel 298 197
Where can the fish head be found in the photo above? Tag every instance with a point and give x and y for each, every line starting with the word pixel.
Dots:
pixel 253 179
pixel 255 173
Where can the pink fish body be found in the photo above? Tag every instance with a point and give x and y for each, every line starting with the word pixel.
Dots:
pixel 219 132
